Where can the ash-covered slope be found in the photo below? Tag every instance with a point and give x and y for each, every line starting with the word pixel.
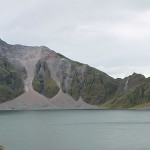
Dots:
pixel 40 78
pixel 40 75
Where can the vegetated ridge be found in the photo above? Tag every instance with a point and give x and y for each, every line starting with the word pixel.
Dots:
pixel 39 78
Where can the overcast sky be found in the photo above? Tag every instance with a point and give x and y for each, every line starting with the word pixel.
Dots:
pixel 111 35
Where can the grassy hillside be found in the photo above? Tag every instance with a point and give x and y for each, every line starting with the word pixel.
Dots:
pixel 92 85
pixel 96 87
pixel 42 82
pixel 11 84
pixel 137 93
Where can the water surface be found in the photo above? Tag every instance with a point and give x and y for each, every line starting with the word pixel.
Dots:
pixel 75 130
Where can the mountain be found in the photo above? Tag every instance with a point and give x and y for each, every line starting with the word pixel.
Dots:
pixel 39 78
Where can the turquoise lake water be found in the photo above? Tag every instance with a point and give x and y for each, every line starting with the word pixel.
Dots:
pixel 75 130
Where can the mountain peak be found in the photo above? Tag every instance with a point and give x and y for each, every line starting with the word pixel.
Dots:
pixel 2 42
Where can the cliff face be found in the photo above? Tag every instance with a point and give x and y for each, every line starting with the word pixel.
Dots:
pixel 132 91
pixel 42 77
pixel 11 84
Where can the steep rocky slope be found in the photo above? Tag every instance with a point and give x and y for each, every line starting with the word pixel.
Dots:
pixel 11 84
pixel 132 91
pixel 42 73
pixel 40 78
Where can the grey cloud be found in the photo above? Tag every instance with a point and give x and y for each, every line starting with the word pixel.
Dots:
pixel 111 34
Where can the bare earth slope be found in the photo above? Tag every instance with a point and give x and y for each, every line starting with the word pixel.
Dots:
pixel 27 57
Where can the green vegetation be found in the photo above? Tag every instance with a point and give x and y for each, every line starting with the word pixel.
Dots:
pixel 94 86
pixel 1 147
pixel 42 82
pixel 11 84
pixel 73 63
pixel 36 83
pixel 74 90
pixel 97 87
pixel 137 94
